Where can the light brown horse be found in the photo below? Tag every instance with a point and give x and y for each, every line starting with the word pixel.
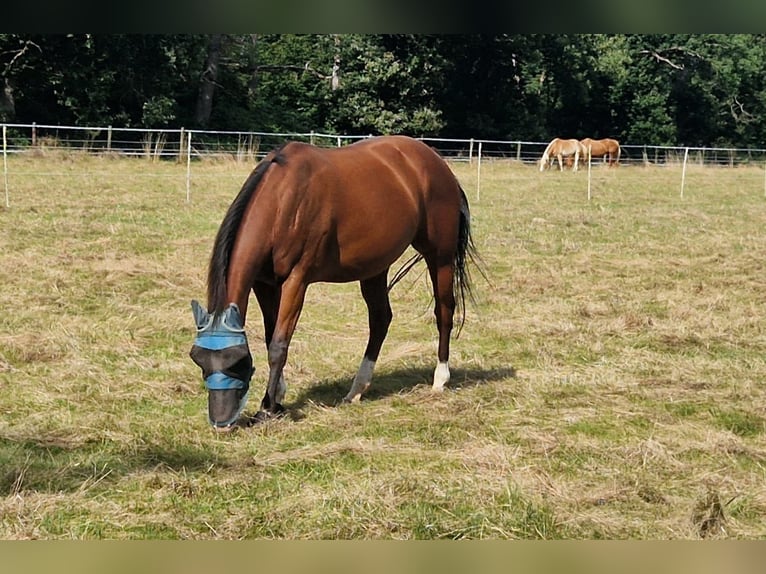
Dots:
pixel 608 149
pixel 306 215
pixel 560 149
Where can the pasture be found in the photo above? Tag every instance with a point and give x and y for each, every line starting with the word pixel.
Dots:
pixel 608 381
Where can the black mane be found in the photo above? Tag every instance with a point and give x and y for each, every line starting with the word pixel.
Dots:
pixel 227 232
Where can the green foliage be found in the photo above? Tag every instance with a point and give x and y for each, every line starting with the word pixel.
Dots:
pixel 660 89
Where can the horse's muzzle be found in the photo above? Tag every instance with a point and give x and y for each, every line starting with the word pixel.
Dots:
pixel 225 406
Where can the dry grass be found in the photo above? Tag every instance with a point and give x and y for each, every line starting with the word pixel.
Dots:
pixel 608 384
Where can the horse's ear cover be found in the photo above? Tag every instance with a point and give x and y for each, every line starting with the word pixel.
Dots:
pixel 201 316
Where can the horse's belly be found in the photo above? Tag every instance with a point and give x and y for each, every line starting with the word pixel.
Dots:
pixel 361 259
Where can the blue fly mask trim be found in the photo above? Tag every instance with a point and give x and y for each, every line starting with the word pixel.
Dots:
pixel 220 349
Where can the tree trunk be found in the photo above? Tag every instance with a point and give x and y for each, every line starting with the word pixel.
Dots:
pixel 208 80
pixel 7 104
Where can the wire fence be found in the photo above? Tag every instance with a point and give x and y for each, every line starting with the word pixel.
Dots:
pixel 188 146
pixel 172 144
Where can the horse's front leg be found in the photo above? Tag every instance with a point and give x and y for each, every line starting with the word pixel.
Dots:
pixel 375 294
pixel 268 296
pixel 291 295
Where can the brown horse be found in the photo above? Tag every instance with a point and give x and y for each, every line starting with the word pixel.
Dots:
pixel 609 149
pixel 560 149
pixel 307 214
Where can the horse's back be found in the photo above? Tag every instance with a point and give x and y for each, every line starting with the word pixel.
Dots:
pixel 351 211
pixel 565 146
pixel 392 173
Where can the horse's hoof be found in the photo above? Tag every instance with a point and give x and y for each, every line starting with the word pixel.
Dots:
pixel 258 418
pixel 264 416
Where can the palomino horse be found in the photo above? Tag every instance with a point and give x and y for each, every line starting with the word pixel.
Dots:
pixel 560 149
pixel 608 149
pixel 307 214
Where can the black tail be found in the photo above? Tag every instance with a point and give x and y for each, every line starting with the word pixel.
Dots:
pixel 466 252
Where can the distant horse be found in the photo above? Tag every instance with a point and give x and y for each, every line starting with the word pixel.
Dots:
pixel 609 149
pixel 560 149
pixel 306 215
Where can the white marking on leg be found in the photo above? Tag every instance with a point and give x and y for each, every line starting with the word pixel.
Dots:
pixel 441 376
pixel 361 381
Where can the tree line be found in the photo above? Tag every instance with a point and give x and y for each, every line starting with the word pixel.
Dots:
pixel 661 89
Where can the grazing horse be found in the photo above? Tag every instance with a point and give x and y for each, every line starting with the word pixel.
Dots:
pixel 608 149
pixel 307 214
pixel 560 149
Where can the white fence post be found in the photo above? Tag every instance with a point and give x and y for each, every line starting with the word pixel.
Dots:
pixel 188 166
pixel 683 172
pixel 478 175
pixel 590 151
pixel 5 166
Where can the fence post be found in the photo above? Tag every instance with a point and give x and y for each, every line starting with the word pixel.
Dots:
pixel 34 134
pixel 188 167
pixel 518 151
pixel 683 172
pixel 181 145
pixel 470 152
pixel 5 166
pixel 109 139
pixel 478 174
pixel 590 151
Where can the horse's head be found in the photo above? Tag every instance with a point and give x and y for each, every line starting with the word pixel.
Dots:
pixel 220 350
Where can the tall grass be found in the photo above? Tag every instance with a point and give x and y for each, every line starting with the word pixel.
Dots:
pixel 607 384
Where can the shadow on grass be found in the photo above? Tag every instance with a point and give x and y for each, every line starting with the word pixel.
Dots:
pixel 331 393
pixel 34 464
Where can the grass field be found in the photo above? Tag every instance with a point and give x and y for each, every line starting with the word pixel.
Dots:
pixel 608 383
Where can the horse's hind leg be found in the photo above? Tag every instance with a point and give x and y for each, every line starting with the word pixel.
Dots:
pixel 442 274
pixel 375 294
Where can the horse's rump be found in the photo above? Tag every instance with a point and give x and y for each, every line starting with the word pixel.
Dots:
pixel 607 148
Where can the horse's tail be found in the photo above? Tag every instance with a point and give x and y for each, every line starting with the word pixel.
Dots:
pixel 466 252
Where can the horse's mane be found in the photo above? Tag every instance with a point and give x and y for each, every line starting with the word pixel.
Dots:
pixel 227 233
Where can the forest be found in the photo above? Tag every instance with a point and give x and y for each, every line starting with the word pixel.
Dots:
pixel 658 89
